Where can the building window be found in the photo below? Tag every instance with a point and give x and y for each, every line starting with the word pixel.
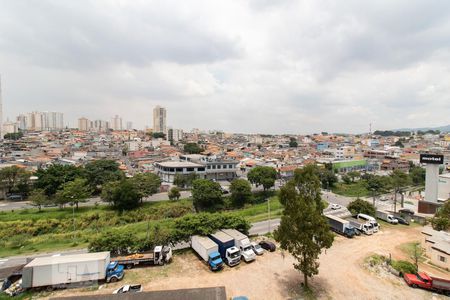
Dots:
pixel 214 167
pixel 230 166
pixel 190 169
pixel 224 166
pixel 442 258
pixel 179 169
pixel 201 169
pixel 219 166
pixel 209 167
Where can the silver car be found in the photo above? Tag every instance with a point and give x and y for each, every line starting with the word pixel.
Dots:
pixel 257 249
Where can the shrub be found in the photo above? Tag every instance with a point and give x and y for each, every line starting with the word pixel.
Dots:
pixel 403 267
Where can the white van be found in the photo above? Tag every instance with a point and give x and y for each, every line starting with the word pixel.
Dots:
pixel 371 220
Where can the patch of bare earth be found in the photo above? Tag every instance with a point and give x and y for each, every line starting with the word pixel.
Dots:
pixel 272 276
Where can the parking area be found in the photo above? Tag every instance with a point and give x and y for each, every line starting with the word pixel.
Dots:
pixel 272 276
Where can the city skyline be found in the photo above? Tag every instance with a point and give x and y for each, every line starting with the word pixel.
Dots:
pixel 289 67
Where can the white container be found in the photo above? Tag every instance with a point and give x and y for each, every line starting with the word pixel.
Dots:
pixel 204 246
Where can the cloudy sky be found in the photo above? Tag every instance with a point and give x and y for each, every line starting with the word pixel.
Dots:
pixel 240 66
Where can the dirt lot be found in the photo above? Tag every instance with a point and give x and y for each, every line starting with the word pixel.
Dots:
pixel 342 274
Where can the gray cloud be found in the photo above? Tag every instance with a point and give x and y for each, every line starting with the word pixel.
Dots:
pixel 256 66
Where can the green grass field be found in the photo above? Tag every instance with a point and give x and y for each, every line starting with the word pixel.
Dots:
pixel 356 189
pixel 30 231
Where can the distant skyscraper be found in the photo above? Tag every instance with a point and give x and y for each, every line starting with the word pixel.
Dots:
pixel 129 125
pixel 117 123
pixel 84 124
pixel 39 121
pixel 22 122
pixel 159 119
pixel 1 111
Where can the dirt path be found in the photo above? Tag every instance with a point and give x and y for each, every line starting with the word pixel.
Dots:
pixel 272 276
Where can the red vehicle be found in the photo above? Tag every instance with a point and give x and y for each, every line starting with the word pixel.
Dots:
pixel 423 280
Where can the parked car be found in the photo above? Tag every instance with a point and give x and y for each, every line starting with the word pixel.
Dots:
pixel 406 211
pixel 335 206
pixel 14 197
pixel 402 221
pixel 129 288
pixel 269 246
pixel 257 249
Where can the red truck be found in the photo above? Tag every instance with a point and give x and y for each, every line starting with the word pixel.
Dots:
pixel 423 280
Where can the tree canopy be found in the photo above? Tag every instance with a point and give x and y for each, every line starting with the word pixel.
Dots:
pixel 192 148
pixel 74 192
pixel 146 184
pixel 359 206
pixel 304 230
pixel 206 193
pixel 122 195
pixel 52 178
pixel 15 180
pixel 441 220
pixel 174 193
pixel 262 175
pixel 101 171
pixel 38 198
pixel 241 192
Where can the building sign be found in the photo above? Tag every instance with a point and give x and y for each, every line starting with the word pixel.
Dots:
pixel 431 159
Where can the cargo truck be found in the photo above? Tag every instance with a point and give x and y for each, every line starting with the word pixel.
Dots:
pixel 208 250
pixel 230 254
pixel 59 271
pixel 361 225
pixel 371 220
pixel 341 226
pixel 243 243
pixel 385 216
pixel 423 280
pixel 159 256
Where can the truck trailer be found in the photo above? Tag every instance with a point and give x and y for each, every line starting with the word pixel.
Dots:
pixel 208 250
pixel 58 271
pixel 341 226
pixel 423 280
pixel 243 243
pixel 159 256
pixel 229 253
pixel 361 225
pixel 385 216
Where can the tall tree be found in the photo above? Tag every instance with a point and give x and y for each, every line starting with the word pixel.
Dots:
pixel 174 193
pixel 241 191
pixel 101 171
pixel 15 180
pixel 262 175
pixel 399 181
pixel 146 184
pixel 75 191
pixel 192 148
pixel 52 178
pixel 376 186
pixel 206 193
pixel 359 206
pixel 38 198
pixel 122 195
pixel 304 230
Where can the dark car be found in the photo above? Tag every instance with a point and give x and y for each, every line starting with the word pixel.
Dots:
pixel 14 197
pixel 269 246
pixel 406 211
pixel 402 221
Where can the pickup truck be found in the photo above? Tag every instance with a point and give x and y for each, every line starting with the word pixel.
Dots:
pixel 159 256
pixel 423 280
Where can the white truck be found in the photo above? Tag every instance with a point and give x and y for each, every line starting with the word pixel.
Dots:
pixel 385 216
pixel 59 271
pixel 208 250
pixel 363 226
pixel 243 243
pixel 371 220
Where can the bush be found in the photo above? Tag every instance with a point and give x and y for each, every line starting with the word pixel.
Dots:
pixel 361 207
pixel 403 267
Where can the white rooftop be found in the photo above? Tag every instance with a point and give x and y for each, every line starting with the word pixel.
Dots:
pixel 49 260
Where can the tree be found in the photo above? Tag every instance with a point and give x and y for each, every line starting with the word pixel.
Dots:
pixel 75 191
pixel 399 181
pixel 293 143
pixel 327 177
pixel 13 136
pixel 241 191
pixel 192 148
pixel 375 185
pixel 158 135
pixel 38 198
pixel 353 175
pixel 359 206
pixel 346 179
pixel 15 180
pixel 174 193
pixel 304 230
pixel 417 175
pixel 123 195
pixel 146 184
pixel 206 193
pixel 52 178
pixel 184 181
pixel 441 220
pixel 262 175
pixel 101 171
